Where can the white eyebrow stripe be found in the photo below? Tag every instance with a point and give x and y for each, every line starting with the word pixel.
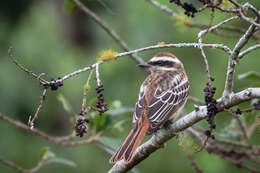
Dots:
pixel 167 68
pixel 164 58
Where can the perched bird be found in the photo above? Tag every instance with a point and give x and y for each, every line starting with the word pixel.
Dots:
pixel 162 94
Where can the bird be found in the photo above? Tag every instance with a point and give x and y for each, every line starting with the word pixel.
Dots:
pixel 162 94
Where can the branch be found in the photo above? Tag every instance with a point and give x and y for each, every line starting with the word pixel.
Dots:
pixel 203 33
pixel 196 100
pixel 179 45
pixel 38 77
pixel 227 154
pixel 248 50
pixel 233 60
pixel 241 124
pixel 31 120
pixel 165 134
pixel 63 140
pixel 112 33
pixel 169 11
pixel 14 165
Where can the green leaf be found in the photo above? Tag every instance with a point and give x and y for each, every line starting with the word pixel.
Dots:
pixel 69 6
pixel 46 153
pixel 49 157
pixel 61 161
pixel 251 75
pixel 66 105
pixel 102 121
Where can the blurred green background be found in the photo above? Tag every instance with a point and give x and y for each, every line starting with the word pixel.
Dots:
pixel 48 39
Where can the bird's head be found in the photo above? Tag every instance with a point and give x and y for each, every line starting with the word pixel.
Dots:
pixel 163 61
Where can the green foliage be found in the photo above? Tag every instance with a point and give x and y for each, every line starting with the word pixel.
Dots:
pixel 69 6
pixel 43 43
pixel 187 142
pixel 109 120
pixel 49 157
pixel 251 75
pixel 65 103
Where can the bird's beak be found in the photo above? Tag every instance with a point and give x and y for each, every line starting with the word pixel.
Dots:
pixel 145 65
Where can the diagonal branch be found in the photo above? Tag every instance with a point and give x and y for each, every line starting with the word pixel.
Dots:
pixel 175 15
pixel 14 165
pixel 112 33
pixel 225 153
pixel 165 134
pixel 248 50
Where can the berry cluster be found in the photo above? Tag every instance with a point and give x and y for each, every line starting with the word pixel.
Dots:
pixel 54 84
pixel 205 1
pixel 189 8
pixel 256 105
pixel 80 126
pixel 211 105
pixel 101 104
pixel 238 111
pixel 208 134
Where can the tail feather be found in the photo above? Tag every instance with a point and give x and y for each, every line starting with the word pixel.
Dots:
pixel 135 143
pixel 119 154
pixel 130 144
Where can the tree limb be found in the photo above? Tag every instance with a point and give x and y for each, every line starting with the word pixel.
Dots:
pixel 165 134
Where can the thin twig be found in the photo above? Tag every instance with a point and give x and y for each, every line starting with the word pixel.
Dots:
pixel 227 154
pixel 57 140
pixel 112 33
pixel 31 73
pixel 31 120
pixel 244 17
pixel 248 50
pixel 179 45
pixel 241 124
pixel 175 15
pixel 14 165
pixel 203 33
pixel 191 158
pixel 196 100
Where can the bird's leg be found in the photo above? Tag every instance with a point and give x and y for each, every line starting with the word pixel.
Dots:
pixel 167 124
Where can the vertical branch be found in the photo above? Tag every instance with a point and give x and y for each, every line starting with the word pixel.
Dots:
pixel 203 33
pixel 233 60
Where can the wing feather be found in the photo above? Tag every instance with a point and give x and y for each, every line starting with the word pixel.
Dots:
pixel 163 102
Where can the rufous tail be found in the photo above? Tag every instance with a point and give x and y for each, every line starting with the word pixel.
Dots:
pixel 129 146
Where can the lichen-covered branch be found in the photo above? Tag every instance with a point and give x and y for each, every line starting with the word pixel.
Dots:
pixel 178 45
pixel 233 60
pixel 163 135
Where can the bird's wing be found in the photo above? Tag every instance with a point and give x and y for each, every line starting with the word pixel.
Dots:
pixel 163 102
pixel 139 106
